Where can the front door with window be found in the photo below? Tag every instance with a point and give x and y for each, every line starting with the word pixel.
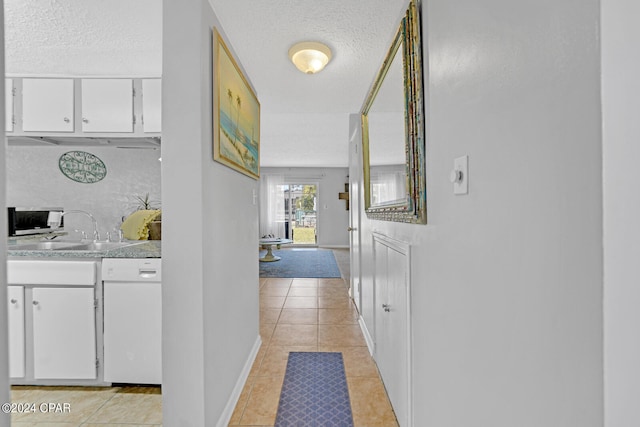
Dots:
pixel 301 214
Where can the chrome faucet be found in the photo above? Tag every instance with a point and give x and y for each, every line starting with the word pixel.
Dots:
pixel 96 234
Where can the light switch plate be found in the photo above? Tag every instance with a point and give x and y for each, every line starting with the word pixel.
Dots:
pixel 461 164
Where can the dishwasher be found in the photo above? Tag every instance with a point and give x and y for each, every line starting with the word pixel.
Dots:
pixel 132 320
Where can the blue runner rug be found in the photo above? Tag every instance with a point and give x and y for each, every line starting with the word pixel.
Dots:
pixel 301 263
pixel 314 393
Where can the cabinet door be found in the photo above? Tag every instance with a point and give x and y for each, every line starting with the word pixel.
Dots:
pixel 391 324
pixel 107 105
pixel 380 291
pixel 393 365
pixel 64 333
pixel 152 105
pixel 47 105
pixel 8 112
pixel 16 331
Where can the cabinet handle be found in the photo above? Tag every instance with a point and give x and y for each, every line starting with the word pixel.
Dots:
pixel 35 302
pixel 85 120
pixel 66 120
pixel 386 307
pixel 14 301
pixel 352 229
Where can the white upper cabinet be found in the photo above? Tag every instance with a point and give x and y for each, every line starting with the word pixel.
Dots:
pixel 152 105
pixel 8 94
pixel 107 105
pixel 83 111
pixel 47 105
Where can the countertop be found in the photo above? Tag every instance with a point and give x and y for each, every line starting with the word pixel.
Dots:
pixel 142 249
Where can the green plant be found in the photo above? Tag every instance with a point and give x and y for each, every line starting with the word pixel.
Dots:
pixel 145 203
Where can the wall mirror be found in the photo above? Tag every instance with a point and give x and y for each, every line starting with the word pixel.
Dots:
pixel 393 131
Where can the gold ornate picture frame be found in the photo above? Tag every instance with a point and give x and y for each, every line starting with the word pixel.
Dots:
pixel 236 114
pixel 405 179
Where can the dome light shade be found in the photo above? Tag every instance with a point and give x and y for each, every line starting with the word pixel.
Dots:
pixel 310 57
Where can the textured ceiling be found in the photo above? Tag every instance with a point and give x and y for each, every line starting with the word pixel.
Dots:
pixel 83 37
pixel 304 117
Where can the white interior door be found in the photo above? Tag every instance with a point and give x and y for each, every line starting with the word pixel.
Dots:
pixel 355 180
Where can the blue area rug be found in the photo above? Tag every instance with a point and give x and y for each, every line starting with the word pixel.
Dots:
pixel 302 263
pixel 314 393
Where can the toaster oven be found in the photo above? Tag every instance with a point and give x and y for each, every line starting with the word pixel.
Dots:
pixel 24 221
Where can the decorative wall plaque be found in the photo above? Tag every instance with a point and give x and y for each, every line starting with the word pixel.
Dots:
pixel 83 167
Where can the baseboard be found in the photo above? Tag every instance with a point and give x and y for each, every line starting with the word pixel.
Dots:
pixel 334 246
pixel 227 413
pixel 367 335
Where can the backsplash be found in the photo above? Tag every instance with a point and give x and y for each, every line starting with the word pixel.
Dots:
pixel 34 179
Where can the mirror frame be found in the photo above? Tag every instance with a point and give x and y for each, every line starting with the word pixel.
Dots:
pixel 414 209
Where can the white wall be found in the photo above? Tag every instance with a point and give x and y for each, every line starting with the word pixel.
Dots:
pixel 280 134
pixel 34 180
pixel 621 132
pixel 210 234
pixel 507 281
pixel 333 218
pixel 5 396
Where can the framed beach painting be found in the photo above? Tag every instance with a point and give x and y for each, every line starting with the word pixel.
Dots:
pixel 236 114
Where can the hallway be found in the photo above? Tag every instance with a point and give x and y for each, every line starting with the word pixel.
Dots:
pixel 310 315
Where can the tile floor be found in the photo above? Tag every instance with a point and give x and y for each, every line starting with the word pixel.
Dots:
pixel 295 315
pixel 310 315
pixel 89 406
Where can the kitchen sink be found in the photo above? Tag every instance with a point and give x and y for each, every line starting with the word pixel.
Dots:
pixel 98 246
pixel 69 246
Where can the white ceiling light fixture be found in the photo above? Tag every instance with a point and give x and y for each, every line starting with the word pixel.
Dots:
pixel 310 57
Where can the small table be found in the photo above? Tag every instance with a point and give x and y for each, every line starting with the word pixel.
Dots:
pixel 268 244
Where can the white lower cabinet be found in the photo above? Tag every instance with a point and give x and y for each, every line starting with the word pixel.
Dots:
pixel 54 322
pixel 16 332
pixel 64 333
